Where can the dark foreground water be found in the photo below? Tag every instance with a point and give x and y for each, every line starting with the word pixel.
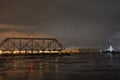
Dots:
pixel 85 67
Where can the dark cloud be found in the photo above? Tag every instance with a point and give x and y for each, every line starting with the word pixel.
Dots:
pixel 79 23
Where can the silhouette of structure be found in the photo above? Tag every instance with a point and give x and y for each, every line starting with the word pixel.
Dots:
pixel 13 45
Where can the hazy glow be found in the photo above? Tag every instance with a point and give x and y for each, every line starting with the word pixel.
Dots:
pixel 0 52
pixel 21 34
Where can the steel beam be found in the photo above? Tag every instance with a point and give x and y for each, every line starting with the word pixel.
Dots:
pixel 30 44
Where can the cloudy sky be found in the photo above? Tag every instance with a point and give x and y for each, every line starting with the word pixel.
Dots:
pixel 76 23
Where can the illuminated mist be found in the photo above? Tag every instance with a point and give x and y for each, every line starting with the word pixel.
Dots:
pixel 22 35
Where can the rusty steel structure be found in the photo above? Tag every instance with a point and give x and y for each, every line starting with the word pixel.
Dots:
pixel 29 45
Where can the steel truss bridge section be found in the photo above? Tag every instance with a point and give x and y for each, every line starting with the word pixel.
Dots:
pixel 13 45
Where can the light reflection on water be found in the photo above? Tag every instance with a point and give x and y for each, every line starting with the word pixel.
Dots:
pixel 61 68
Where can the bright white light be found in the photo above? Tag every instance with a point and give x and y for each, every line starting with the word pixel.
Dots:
pixel 0 52
pixel 110 48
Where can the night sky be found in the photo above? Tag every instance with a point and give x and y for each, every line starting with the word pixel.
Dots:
pixel 76 23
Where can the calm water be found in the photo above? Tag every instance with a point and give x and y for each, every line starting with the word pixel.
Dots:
pixel 92 67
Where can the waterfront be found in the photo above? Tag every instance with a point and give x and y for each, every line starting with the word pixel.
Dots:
pixel 80 67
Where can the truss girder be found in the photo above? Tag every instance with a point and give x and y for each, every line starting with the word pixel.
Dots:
pixel 31 44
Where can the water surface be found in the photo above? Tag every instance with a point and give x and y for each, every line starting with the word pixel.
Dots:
pixel 83 67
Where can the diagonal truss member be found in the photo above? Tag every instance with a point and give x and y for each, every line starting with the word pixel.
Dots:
pixel 11 44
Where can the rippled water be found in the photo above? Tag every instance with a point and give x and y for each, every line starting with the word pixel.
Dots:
pixel 84 67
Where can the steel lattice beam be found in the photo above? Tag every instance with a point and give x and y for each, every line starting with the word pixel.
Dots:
pixel 12 44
